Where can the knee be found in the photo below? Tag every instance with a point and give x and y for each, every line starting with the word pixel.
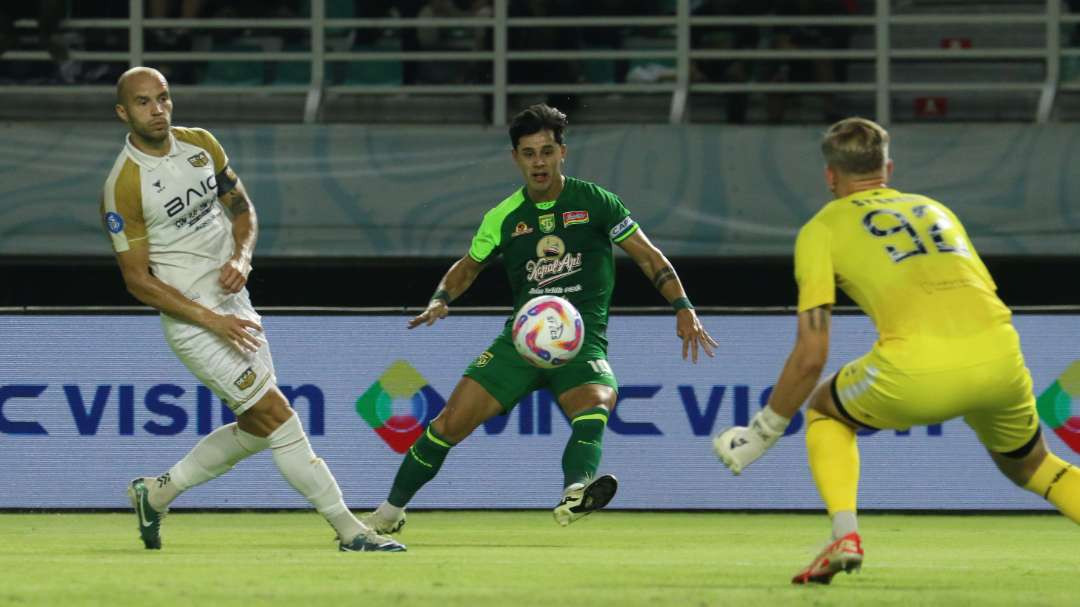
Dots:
pixel 266 415
pixel 1020 467
pixel 448 427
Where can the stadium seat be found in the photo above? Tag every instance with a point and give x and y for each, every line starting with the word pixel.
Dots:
pixel 374 72
pixel 237 73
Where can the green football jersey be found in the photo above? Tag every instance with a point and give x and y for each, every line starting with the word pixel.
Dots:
pixel 561 247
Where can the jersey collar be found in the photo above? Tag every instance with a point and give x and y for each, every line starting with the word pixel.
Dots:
pixel 148 161
pixel 545 205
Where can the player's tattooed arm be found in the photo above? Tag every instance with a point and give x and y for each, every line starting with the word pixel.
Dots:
pixel 818 319
pixel 805 363
pixel 663 276
pixel 658 269
pixel 231 192
pixel 456 281
pixel 245 228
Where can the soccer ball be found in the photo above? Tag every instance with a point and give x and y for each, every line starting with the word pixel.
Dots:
pixel 548 331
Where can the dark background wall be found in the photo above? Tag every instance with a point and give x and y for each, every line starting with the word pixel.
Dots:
pixel 409 282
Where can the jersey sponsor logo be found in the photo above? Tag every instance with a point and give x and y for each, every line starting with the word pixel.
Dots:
pixel 158 187
pixel 570 218
pixel 547 223
pixel 399 405
pixel 204 188
pixel 246 379
pixel 555 290
pixel 521 229
pixel 546 271
pixel 195 215
pixel 550 246
pixel 114 222
pixel 199 160
pixel 621 227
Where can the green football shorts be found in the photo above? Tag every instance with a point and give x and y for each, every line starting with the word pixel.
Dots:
pixel 508 377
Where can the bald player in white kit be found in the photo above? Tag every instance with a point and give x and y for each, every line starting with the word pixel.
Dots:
pixel 164 205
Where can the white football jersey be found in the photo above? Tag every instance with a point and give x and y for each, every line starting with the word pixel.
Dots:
pixel 171 202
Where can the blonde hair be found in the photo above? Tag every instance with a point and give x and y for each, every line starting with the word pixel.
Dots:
pixel 856 146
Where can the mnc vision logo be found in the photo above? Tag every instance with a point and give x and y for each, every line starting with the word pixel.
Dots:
pixel 1055 406
pixel 399 405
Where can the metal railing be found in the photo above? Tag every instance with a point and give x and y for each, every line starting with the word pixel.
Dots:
pixel 681 54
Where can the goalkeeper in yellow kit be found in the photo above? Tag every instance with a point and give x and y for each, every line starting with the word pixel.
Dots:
pixel 946 346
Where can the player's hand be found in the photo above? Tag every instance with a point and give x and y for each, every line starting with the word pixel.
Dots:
pixel 234 275
pixel 242 333
pixel 739 446
pixel 689 328
pixel 436 309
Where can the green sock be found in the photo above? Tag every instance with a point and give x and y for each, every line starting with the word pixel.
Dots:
pixel 421 464
pixel 582 455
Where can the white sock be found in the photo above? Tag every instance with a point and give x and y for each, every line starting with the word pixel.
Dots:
pixel 309 475
pixel 213 456
pixel 388 511
pixel 843 523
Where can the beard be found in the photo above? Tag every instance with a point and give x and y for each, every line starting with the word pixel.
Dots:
pixel 148 133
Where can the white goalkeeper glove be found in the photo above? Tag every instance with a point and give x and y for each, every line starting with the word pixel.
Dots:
pixel 740 446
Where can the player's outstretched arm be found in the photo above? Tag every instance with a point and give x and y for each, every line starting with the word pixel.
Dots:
pixel 739 446
pixel 234 198
pixel 658 269
pixel 456 281
pixel 150 290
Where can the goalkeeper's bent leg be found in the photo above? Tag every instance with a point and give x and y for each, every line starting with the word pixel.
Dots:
pixel 1058 482
pixel 833 456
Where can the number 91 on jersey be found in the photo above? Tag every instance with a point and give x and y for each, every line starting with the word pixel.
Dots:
pixel 548 331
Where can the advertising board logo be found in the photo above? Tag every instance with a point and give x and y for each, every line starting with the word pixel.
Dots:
pixel 399 405
pixel 1055 406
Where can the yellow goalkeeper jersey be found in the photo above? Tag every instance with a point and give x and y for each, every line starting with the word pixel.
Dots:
pixel 906 260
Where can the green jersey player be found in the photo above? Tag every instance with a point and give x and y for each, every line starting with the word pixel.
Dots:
pixel 554 236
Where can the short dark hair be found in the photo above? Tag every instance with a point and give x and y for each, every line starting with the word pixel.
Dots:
pixel 536 118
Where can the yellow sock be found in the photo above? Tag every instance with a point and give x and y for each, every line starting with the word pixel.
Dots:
pixel 834 461
pixel 1058 482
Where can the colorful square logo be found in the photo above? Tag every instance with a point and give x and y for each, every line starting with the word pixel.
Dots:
pixel 399 405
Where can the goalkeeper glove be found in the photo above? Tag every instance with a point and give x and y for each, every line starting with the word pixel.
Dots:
pixel 740 446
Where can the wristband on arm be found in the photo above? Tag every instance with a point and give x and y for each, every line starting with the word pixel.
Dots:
pixel 442 295
pixel 682 303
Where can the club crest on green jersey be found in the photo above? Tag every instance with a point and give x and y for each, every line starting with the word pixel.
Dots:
pixel 547 223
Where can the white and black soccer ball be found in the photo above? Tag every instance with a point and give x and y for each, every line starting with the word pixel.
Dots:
pixel 548 331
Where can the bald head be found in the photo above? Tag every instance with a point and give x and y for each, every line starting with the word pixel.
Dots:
pixel 144 104
pixel 138 78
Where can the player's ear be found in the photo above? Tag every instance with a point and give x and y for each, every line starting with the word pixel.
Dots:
pixel 888 170
pixel 830 178
pixel 121 113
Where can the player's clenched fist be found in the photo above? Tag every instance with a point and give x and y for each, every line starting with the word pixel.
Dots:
pixel 234 275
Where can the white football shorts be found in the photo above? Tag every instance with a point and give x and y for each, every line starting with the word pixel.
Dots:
pixel 238 378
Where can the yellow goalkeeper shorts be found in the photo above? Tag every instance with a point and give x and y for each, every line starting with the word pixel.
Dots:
pixel 993 396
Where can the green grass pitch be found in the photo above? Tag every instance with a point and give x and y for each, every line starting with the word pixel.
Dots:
pixel 523 558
